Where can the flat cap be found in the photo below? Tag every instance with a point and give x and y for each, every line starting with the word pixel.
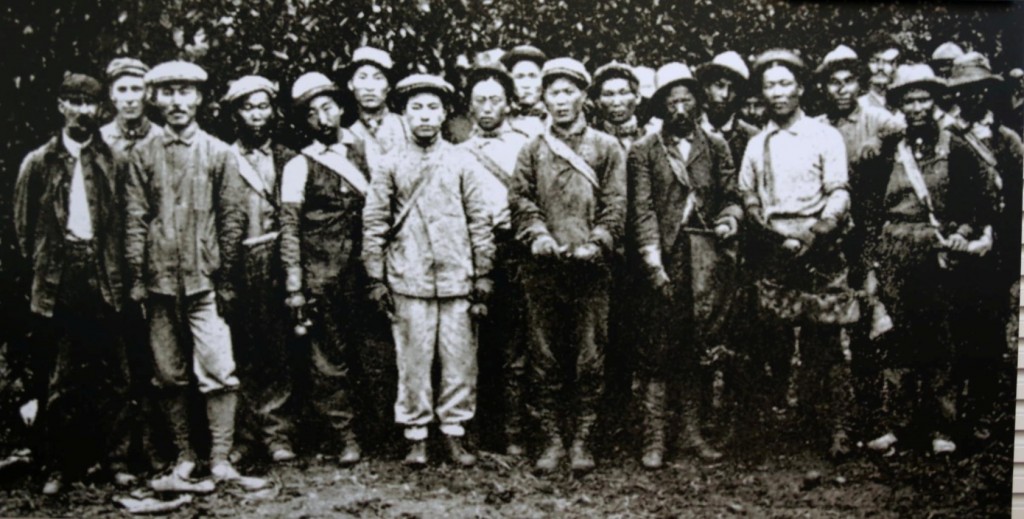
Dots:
pixel 728 62
pixel 841 57
pixel 310 85
pixel 972 68
pixel 246 85
pixel 495 71
pixel 948 51
pixel 80 84
pixel 523 53
pixel 916 75
pixel 784 57
pixel 372 55
pixel 567 68
pixel 175 72
pixel 416 83
pixel 613 69
pixel 126 67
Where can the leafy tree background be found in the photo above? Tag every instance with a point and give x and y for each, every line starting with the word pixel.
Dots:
pixel 44 39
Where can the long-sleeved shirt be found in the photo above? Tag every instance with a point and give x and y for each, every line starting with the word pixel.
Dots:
pixel 184 213
pixel 383 134
pixel 446 242
pixel 79 221
pixel 550 197
pixel 797 174
pixel 260 208
pixel 501 149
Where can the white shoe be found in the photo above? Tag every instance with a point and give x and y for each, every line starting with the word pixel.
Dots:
pixel 223 471
pixel 943 446
pixel 883 442
pixel 184 468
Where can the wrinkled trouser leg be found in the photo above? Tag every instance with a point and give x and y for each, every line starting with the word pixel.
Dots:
pixel 591 329
pixel 546 329
pixel 826 388
pixel 332 346
pixel 262 353
pixel 422 329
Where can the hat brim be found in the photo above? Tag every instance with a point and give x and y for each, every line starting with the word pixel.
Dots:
pixel 959 83
pixel 512 57
pixel 895 94
pixel 351 69
pixel 579 80
pixel 657 102
pixel 399 99
pixel 710 71
pixel 827 69
pixel 595 87
pixel 330 90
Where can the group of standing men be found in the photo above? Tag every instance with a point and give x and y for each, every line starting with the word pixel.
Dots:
pixel 545 236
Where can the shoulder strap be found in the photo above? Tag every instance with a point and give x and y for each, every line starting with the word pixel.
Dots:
pixel 490 165
pixel 340 164
pixel 916 180
pixel 676 163
pixel 249 173
pixel 986 156
pixel 563 151
pixel 410 203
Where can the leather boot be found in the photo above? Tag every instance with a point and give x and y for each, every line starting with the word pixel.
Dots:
pixel 690 436
pixel 351 453
pixel 457 452
pixel 654 425
pixel 220 412
pixel 581 460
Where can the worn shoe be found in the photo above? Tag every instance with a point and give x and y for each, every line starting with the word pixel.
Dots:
pixel 124 479
pixel 943 445
pixel 551 457
pixel 54 484
pixel 224 472
pixel 172 483
pixel 417 456
pixel 653 459
pixel 840 445
pixel 514 449
pixel 883 443
pixel 282 454
pixel 580 458
pixel 457 452
pixel 351 454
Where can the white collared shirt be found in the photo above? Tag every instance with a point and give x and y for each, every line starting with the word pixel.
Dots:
pixel 79 219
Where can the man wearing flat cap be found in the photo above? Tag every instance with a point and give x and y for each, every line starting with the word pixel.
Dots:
pixel 616 94
pixel 938 205
pixel 524 64
pixel 568 203
pixel 368 80
pixel 985 295
pixel 869 133
pixel 69 230
pixel 185 221
pixel 428 250
pixel 724 81
pixel 496 145
pixel 260 330
pixel 687 213
pixel 795 188
pixel 883 56
pixel 128 95
pixel 323 191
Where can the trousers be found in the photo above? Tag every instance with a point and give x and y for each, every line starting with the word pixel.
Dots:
pixel 175 324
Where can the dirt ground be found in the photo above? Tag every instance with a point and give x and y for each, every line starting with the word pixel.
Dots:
pixel 771 475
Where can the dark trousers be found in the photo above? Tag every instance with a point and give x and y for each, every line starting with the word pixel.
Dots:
pixel 85 415
pixel 567 305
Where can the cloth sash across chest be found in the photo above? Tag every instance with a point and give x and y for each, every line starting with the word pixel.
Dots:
pixel 251 176
pixel 339 164
pixel 564 152
pixel 490 165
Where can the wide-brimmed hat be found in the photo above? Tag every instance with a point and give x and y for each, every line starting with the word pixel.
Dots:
pixel 668 76
pixel 914 76
pixel 783 57
pixel 494 70
pixel 247 85
pixel 948 51
pixel 311 85
pixel 840 58
pixel 175 72
pixel 523 53
pixel 611 70
pixel 728 63
pixel 567 68
pixel 972 68
pixel 416 83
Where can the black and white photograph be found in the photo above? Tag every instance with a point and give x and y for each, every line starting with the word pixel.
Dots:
pixel 510 258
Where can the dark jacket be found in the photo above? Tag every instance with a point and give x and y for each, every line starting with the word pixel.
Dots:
pixel 41 212
pixel 184 227
pixel 660 197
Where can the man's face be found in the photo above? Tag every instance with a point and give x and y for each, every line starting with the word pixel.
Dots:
pixel 753 110
pixel 781 91
pixel 370 87
pixel 917 106
pixel 79 111
pixel 973 102
pixel 720 95
pixel 488 104
pixel 681 107
pixel 127 93
pixel 843 88
pixel 178 102
pixel 564 101
pixel 526 76
pixel 255 113
pixel 617 100
pixel 882 66
pixel 424 114
pixel 943 67
pixel 324 117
